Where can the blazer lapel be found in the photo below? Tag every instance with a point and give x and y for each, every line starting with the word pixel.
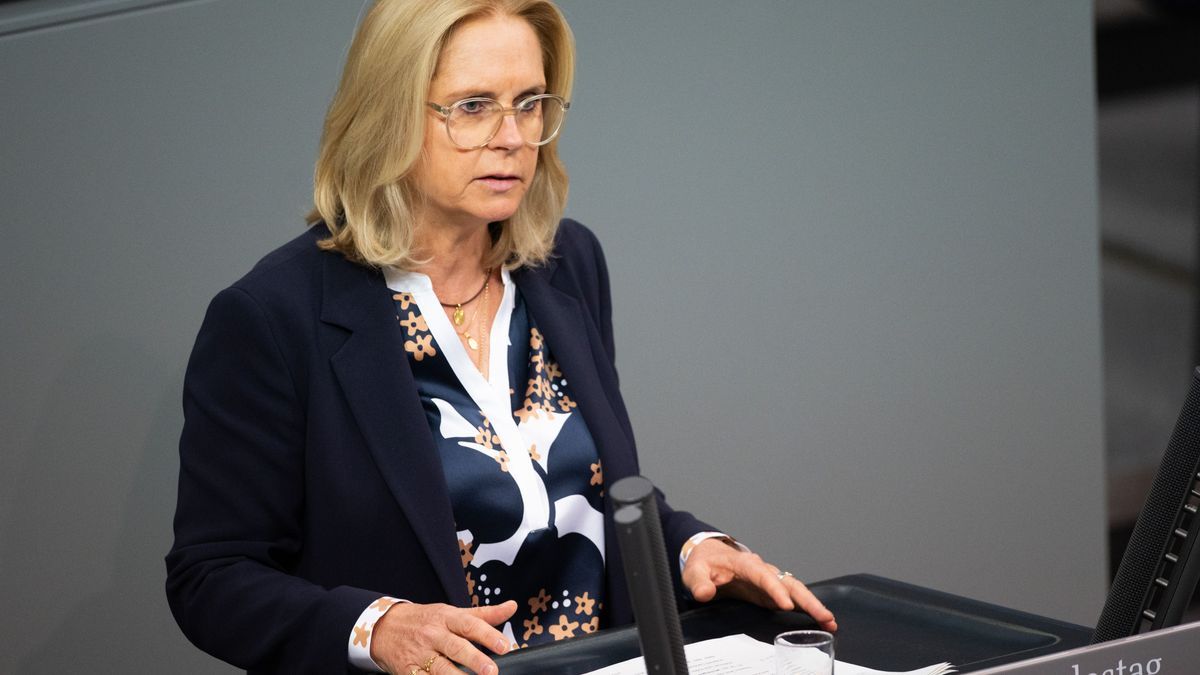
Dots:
pixel 575 344
pixel 374 374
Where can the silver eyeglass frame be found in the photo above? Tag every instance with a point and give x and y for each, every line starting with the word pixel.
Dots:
pixel 445 112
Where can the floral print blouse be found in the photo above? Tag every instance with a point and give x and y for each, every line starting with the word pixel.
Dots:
pixel 526 482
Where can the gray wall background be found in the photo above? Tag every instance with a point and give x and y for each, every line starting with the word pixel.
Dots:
pixel 854 255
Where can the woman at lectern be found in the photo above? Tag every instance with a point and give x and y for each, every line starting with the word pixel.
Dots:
pixel 399 426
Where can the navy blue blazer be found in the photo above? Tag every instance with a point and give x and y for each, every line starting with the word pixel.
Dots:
pixel 309 481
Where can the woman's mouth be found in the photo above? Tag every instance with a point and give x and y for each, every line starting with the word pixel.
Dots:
pixel 499 182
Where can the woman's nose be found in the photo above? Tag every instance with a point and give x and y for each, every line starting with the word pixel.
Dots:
pixel 509 135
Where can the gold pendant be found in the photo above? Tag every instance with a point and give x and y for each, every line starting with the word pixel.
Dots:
pixel 459 315
pixel 472 343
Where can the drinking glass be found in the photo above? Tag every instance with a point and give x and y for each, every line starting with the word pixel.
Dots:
pixel 804 652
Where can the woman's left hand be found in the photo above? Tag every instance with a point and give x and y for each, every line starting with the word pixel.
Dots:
pixel 715 568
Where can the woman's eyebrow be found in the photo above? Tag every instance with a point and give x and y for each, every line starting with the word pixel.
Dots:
pixel 460 94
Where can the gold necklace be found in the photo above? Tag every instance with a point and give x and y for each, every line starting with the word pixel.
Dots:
pixel 471 341
pixel 459 315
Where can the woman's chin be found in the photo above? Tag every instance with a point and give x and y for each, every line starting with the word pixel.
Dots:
pixel 495 215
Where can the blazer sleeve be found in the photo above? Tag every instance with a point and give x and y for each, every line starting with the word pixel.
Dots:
pixel 238 521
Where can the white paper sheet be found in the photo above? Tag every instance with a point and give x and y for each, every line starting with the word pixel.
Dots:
pixel 743 655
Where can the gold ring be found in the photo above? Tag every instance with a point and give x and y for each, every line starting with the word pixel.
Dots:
pixel 429 663
pixel 784 575
pixel 414 671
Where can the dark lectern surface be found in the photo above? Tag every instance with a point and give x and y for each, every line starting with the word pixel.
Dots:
pixel 882 624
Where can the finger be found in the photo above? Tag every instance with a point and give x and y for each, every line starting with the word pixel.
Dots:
pixel 494 615
pixel 445 666
pixel 697 577
pixel 766 579
pixel 808 602
pixel 458 650
pixel 479 631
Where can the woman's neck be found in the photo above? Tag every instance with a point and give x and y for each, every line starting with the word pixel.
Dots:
pixel 455 259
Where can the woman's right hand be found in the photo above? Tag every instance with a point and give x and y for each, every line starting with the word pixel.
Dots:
pixel 408 635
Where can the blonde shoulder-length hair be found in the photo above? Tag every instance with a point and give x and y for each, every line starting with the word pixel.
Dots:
pixel 375 129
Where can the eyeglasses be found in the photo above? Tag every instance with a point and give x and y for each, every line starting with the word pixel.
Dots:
pixel 473 122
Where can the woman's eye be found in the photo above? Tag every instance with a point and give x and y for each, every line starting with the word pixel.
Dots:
pixel 529 105
pixel 473 107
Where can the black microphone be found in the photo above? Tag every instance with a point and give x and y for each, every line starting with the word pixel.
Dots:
pixel 644 556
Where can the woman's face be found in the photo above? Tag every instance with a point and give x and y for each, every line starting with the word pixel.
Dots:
pixel 496 57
